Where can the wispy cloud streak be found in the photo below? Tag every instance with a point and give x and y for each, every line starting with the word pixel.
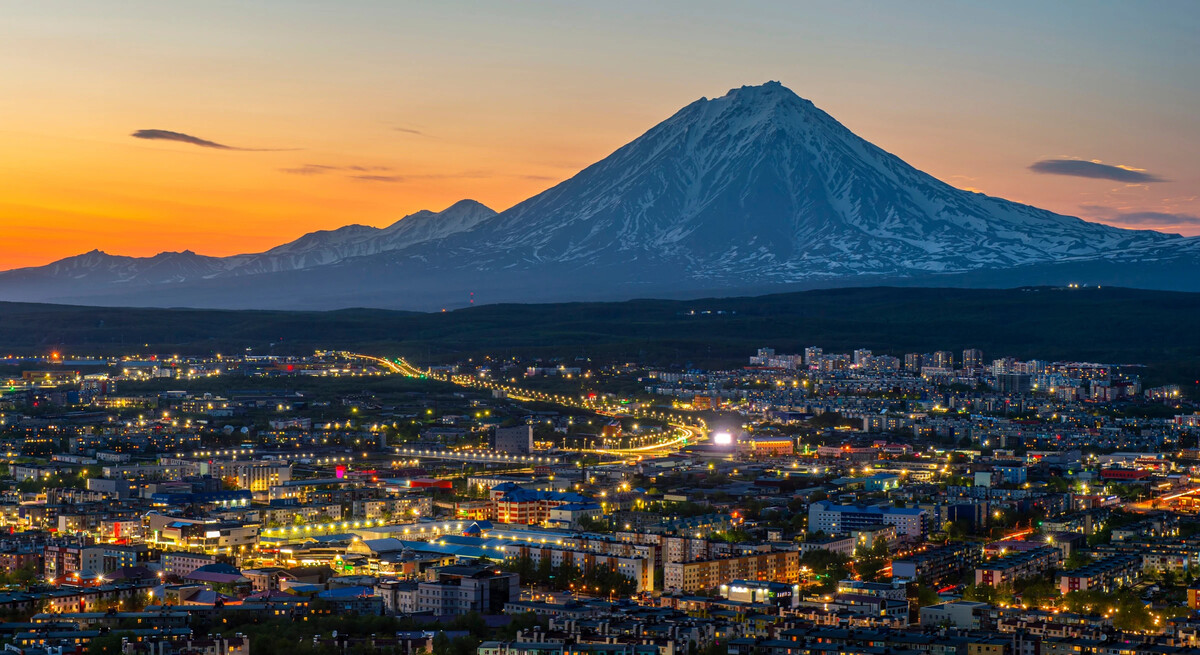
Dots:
pixel 1095 170
pixel 180 137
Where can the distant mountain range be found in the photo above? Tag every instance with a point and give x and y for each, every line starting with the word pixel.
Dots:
pixel 755 191
pixel 97 271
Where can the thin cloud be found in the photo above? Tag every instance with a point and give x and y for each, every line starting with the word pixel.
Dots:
pixel 377 178
pixel 321 169
pixel 384 174
pixel 1159 219
pixel 467 175
pixel 409 130
pixel 1094 170
pixel 168 135
pixel 1141 219
pixel 307 169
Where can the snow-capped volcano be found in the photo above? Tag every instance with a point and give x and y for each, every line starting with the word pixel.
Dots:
pixel 755 190
pixel 760 184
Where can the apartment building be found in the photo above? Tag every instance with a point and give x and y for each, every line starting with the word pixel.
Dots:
pixel 1006 570
pixel 1106 575
pixel 261 476
pixel 465 589
pixel 937 565
pixel 514 504
pixel 780 566
pixel 824 516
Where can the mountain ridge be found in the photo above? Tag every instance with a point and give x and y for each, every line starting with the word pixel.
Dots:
pixel 318 248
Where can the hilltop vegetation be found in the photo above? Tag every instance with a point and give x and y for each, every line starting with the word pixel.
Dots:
pixel 1112 325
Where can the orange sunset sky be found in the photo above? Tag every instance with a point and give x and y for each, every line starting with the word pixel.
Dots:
pixel 362 112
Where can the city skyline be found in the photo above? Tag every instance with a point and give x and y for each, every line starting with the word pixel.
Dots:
pixel 227 130
pixel 626 328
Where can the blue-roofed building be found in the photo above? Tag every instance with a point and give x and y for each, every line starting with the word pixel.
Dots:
pixel 516 504
pixel 353 600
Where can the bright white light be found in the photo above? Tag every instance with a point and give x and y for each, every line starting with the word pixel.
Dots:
pixel 722 438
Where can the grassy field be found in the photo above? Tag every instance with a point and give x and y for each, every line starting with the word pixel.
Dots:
pixel 1113 325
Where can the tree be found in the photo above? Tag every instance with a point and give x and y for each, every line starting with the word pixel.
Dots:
pixel 1085 602
pixel 564 574
pixel 870 563
pixel 1038 592
pixel 734 536
pixel 922 595
pixel 987 593
pixel 1131 613
pixel 1058 485
pixel 589 524
pixel 828 567
pixel 472 622
pixel 442 644
pixel 22 576
pixel 520 622
pixel 714 648
pixel 109 644
pixel 958 530
pixel 1076 560
pixel 545 570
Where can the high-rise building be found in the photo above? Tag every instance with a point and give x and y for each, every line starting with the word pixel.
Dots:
pixel 261 476
pixel 517 440
pixel 972 359
pixel 943 359
pixel 913 362
pixel 812 354
pixel 762 357
pixel 861 355
pixel 1013 383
